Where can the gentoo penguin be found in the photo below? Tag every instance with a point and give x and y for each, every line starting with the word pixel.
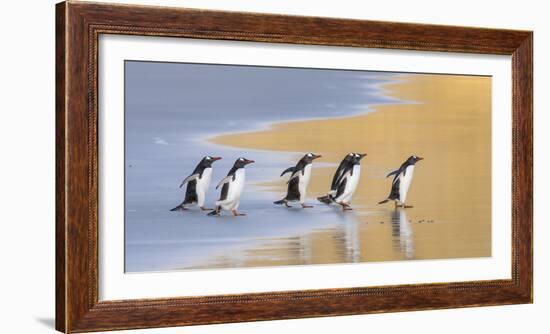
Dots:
pixel 298 182
pixel 345 181
pixel 401 182
pixel 232 187
pixel 197 184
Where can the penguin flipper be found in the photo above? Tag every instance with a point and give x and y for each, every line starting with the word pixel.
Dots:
pixel 189 178
pixel 225 180
pixel 288 170
pixel 395 172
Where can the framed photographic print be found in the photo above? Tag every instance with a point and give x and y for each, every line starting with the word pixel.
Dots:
pixel 222 166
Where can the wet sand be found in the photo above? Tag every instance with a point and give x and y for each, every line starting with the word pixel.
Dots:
pixel 448 122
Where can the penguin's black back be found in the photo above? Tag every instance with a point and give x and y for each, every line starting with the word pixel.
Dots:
pixel 300 166
pixel 191 192
pixel 225 190
pixel 199 170
pixel 339 172
pixel 394 194
pixel 293 191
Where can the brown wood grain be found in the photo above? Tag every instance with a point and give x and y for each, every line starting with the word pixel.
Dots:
pixel 78 26
pixel 60 180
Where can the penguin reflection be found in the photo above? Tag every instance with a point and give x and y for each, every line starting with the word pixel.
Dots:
pixel 232 187
pixel 298 182
pixel 197 184
pixel 402 233
pixel 401 182
pixel 352 239
pixel 345 181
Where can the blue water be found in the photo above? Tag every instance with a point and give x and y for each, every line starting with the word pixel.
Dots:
pixel 171 108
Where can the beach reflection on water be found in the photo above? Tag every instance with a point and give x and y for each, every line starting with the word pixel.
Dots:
pixel 345 242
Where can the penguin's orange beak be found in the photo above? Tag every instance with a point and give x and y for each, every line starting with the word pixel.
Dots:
pixel 317 156
pixel 419 158
pixel 249 161
pixel 362 155
pixel 216 158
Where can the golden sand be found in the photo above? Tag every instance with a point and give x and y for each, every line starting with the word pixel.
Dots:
pixel 448 122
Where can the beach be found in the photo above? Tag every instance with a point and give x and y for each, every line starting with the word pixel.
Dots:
pixel 447 121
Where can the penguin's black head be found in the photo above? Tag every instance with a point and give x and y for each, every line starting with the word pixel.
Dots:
pixel 413 159
pixel 208 160
pixel 354 158
pixel 350 158
pixel 357 157
pixel 241 162
pixel 309 157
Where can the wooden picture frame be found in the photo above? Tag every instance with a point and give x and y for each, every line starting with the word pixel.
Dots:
pixel 78 26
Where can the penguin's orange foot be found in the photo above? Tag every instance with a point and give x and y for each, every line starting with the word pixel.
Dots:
pixel 236 213
pixel 407 206
pixel 306 206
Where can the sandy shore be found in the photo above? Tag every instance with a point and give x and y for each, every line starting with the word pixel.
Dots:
pixel 449 124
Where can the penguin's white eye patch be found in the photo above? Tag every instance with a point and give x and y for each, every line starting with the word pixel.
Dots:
pixel 351 154
pixel 309 154
pixel 241 159
pixel 208 158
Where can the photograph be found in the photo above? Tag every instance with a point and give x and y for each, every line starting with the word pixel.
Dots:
pixel 233 166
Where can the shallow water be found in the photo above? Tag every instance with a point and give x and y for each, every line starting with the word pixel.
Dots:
pixel 271 235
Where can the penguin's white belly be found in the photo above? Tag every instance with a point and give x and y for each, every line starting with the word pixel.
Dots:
pixel 303 182
pixel 235 190
pixel 351 185
pixel 202 186
pixel 405 182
